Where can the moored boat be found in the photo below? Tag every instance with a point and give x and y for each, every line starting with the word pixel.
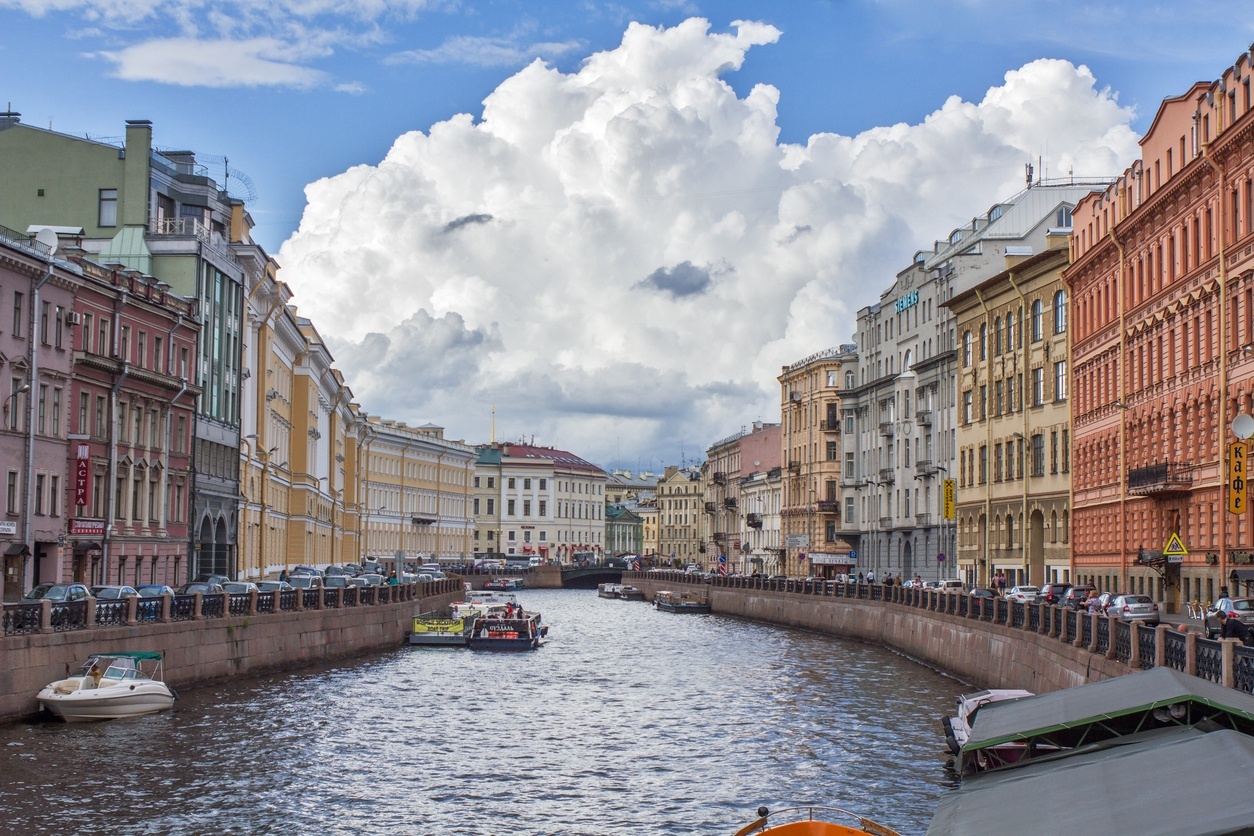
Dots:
pixel 505 584
pixel 108 686
pixel 440 631
pixel 681 602
pixel 521 632
pixel 958 728
pixel 801 821
pixel 631 593
pixel 610 590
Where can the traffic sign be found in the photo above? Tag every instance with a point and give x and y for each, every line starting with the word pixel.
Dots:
pixel 797 541
pixel 1175 547
pixel 1238 484
pixel 853 555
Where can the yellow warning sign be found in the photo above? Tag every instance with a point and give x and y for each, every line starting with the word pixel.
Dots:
pixel 1175 546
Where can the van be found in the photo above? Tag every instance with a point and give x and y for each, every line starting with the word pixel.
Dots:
pixel 535 560
pixel 951 583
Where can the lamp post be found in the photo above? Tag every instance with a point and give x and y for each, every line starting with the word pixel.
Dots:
pixel 366 521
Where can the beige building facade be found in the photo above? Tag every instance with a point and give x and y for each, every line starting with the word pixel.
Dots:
pixel 1014 432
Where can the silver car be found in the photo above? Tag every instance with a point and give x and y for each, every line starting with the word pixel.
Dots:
pixel 1130 607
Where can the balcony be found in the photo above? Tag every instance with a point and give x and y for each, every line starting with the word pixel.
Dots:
pixel 1161 479
pixel 829 426
pixel 886 429
pixel 923 417
pixel 794 466
pixel 888 475
pixel 720 478
pixel 753 520
pixel 828 506
pixel 720 536
pixel 886 523
pixel 923 467
pixel 729 502
pixel 711 507
pixel 923 520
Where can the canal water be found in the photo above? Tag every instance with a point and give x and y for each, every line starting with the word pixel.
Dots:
pixel 629 720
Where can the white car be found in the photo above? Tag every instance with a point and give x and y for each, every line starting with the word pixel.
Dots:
pixel 1023 594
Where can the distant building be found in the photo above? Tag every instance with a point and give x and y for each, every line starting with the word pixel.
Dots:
pixel 680 508
pixel 761 498
pixel 624 530
pixel 538 501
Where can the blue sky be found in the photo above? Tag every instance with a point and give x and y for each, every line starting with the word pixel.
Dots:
pixel 587 280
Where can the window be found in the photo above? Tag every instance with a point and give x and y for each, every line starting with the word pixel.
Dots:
pixel 100 427
pixel 983 463
pixel 1053 451
pixel 1010 332
pixel 158 356
pixel 17 314
pixel 526 507
pixel 526 484
pixel 45 313
pixel 544 506
pixel 510 508
pixel 544 486
pixel 88 321
pixel 1038 323
pixel 984 341
pixel 58 328
pixel 56 411
pixel 476 505
pixel 491 506
pixel 998 333
pixel 54 495
pixel 141 345
pixel 849 465
pixel 83 401
pixel 1038 386
pixel 108 207
pixel 850 380
pixel 476 481
pixel 967 397
pixel 966 348
pixel 1066 451
pixel 1060 312
pixel 41 416
pixel 849 423
pixel 511 484
pixel 1060 380
pixel 1038 455
pixel 10 499
pixel 850 505
pixel 40 479
pixel 491 481
pixel 833 451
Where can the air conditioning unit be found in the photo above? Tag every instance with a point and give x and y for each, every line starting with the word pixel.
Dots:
pixel 73 318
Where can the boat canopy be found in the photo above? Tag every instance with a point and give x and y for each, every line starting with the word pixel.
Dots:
pixel 1133 781
pixel 1124 705
pixel 137 655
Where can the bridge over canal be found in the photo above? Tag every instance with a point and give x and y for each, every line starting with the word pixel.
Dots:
pixel 589 577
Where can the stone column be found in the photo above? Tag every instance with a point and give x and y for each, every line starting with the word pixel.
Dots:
pixel 45 616
pixel 1227 650
pixel 1134 653
pixel 1190 653
pixel 252 602
pixel 167 606
pixel 196 600
pixel 132 607
pixel 1111 620
pixel 1160 645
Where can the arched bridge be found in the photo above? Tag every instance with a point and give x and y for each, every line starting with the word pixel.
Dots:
pixel 589 577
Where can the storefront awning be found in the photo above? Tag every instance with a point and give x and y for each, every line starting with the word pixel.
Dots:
pixel 16 549
pixel 86 546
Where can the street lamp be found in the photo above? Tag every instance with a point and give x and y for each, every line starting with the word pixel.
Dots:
pixel 25 387
pixel 365 521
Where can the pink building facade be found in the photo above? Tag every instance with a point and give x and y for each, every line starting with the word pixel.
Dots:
pixel 1162 302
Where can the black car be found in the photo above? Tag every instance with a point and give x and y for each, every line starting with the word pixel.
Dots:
pixel 1074 597
pixel 203 587
pixel 210 578
pixel 1051 593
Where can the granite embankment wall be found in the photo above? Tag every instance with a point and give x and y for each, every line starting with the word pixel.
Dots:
pixel 981 653
pixel 204 650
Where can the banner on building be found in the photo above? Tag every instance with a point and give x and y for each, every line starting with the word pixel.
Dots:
pixel 82 474
pixel 1238 484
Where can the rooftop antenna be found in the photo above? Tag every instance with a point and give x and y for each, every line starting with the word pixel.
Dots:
pixel 494 423
pixel 1027 168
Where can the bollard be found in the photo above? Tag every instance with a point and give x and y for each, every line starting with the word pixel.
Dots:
pixel 45 616
pixel 1227 651
pixel 1160 645
pixel 1190 653
pixel 196 605
pixel 1110 643
pixel 132 614
pixel 167 606
pixel 252 601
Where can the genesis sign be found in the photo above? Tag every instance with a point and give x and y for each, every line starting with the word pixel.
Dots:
pixel 908 301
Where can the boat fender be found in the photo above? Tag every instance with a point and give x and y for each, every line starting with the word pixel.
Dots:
pixel 173 693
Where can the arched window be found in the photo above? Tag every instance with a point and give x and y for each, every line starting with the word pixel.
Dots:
pixel 1038 323
pixel 1010 332
pixel 966 348
pixel 1060 312
pixel 998 333
pixel 984 341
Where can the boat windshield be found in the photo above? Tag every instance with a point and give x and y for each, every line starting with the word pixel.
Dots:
pixel 111 667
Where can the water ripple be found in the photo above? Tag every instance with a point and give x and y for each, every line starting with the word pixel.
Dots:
pixel 628 721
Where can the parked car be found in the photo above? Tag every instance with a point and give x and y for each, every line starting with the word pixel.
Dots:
pixel 373 579
pixel 946 585
pixel 239 587
pixel 210 579
pixel 335 582
pixel 334 571
pixel 1023 594
pixel 1076 595
pixel 273 586
pixel 204 588
pixel 304 581
pixel 113 592
pixel 358 582
pixel 154 590
pixel 59 592
pixel 982 593
pixel 1051 593
pixel 306 570
pixel 1239 608
pixel 1130 607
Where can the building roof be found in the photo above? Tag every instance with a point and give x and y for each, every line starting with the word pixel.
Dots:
pixel 496 454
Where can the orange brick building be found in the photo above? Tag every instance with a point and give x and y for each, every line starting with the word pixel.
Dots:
pixel 1162 302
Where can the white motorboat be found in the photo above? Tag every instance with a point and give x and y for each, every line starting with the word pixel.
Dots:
pixel 108 686
pixel 958 727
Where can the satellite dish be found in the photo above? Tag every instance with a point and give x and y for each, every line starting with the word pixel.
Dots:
pixel 48 237
pixel 1243 426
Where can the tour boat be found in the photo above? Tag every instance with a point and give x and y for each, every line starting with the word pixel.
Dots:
pixel 801 821
pixel 631 593
pixel 440 631
pixel 681 602
pixel 108 686
pixel 958 727
pixel 610 590
pixel 493 632
pixel 505 584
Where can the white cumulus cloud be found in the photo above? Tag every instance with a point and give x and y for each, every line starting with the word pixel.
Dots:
pixel 620 258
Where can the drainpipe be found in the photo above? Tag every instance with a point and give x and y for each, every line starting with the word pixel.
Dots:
pixel 111 482
pixel 165 453
pixel 1123 422
pixel 988 445
pixel 1023 533
pixel 33 376
pixel 1223 360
